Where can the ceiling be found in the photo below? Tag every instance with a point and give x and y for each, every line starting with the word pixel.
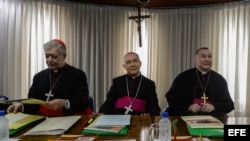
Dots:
pixel 155 3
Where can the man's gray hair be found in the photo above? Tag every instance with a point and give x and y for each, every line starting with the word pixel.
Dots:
pixel 55 43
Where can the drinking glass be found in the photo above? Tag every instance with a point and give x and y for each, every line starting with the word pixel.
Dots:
pixel 154 132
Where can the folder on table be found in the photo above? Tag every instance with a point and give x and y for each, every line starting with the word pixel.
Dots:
pixel 53 125
pixel 207 132
pixel 24 101
pixel 20 121
pixel 89 131
pixel 73 137
pixel 109 125
pixel 204 126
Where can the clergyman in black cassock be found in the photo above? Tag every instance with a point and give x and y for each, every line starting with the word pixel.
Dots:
pixel 131 93
pixel 63 87
pixel 200 90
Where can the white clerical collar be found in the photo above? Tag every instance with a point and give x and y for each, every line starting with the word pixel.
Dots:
pixel 60 69
pixel 202 72
pixel 133 77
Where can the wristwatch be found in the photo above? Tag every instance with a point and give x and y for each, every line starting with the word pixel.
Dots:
pixel 66 104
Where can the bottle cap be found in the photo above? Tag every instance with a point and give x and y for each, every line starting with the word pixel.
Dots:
pixel 164 114
pixel 2 112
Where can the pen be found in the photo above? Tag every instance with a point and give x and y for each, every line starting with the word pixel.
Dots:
pixel 90 120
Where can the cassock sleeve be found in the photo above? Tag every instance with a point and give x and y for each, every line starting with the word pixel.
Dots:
pixel 223 102
pixel 152 107
pixel 108 107
pixel 179 96
pixel 81 93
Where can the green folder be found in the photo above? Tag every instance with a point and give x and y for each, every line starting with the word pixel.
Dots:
pixel 207 132
pixel 123 132
pixel 13 131
pixel 108 121
pixel 20 121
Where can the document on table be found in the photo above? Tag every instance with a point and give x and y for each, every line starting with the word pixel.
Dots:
pixel 12 139
pixel 109 125
pixel 25 101
pixel 205 121
pixel 120 140
pixel 10 101
pixel 33 101
pixel 206 125
pixel 112 120
pixel 20 119
pixel 71 137
pixel 53 125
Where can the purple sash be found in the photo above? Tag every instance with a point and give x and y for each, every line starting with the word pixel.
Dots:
pixel 138 105
pixel 200 101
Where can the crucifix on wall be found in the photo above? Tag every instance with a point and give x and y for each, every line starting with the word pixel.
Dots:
pixel 138 19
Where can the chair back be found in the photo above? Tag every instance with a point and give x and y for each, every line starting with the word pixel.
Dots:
pixel 91 103
pixel 3 97
pixel 3 106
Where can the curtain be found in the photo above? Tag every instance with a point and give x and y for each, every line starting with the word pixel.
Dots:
pixel 98 36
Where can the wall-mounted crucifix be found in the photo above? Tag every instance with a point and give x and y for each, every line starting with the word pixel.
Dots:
pixel 138 19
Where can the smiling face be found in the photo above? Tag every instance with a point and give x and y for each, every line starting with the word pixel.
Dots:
pixel 132 64
pixel 203 59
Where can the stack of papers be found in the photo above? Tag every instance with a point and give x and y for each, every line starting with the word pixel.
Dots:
pixel 70 137
pixel 109 125
pixel 203 122
pixel 24 101
pixel 112 120
pixel 189 138
pixel 204 126
pixel 20 121
pixel 53 126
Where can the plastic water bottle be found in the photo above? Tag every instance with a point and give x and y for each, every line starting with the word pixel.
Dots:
pixel 4 126
pixel 165 127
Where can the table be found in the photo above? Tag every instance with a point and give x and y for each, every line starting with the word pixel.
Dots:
pixel 139 128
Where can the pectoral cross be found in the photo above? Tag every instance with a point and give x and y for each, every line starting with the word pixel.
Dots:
pixel 49 95
pixel 138 19
pixel 128 109
pixel 204 98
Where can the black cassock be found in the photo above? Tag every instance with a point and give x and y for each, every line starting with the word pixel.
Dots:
pixel 70 83
pixel 186 89
pixel 117 99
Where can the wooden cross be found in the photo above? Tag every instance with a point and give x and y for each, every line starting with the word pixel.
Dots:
pixel 204 98
pixel 138 19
